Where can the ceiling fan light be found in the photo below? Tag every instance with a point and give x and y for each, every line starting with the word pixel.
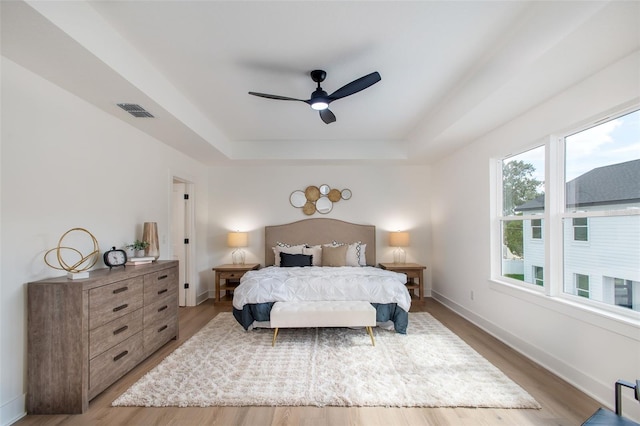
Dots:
pixel 319 105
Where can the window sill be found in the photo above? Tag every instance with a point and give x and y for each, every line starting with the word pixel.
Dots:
pixel 627 326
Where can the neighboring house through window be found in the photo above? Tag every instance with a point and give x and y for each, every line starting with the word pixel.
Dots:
pixel 595 189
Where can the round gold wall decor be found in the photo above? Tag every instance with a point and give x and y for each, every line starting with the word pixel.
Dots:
pixel 334 195
pixel 84 263
pixel 318 199
pixel 309 208
pixel 312 193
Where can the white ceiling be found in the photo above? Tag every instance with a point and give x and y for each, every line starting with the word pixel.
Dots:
pixel 451 70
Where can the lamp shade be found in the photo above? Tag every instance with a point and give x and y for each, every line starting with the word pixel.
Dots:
pixel 398 239
pixel 237 239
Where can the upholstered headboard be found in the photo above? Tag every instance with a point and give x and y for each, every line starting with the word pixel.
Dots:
pixel 319 231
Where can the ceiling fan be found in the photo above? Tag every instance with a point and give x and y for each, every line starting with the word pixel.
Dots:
pixel 320 100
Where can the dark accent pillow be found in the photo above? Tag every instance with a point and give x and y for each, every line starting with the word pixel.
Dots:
pixel 288 260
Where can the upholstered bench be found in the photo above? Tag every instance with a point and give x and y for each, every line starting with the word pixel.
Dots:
pixel 322 314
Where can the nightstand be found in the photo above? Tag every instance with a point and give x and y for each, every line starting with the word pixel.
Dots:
pixel 231 275
pixel 412 271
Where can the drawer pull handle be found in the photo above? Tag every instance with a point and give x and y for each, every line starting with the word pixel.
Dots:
pixel 120 330
pixel 120 356
pixel 162 277
pixel 164 327
pixel 163 291
pixel 120 290
pixel 121 307
pixel 163 308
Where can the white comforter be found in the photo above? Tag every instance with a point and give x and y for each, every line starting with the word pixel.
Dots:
pixel 276 284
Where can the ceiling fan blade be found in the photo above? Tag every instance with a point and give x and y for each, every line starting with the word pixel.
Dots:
pixel 281 98
pixel 327 116
pixel 356 85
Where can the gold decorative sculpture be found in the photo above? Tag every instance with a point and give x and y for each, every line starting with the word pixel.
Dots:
pixel 78 269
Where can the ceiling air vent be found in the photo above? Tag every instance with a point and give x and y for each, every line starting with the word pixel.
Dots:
pixel 135 110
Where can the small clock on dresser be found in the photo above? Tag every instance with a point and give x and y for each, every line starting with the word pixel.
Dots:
pixel 115 257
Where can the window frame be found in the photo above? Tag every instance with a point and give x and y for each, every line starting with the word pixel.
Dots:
pixel 552 233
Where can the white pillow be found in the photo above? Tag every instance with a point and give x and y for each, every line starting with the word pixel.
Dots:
pixel 316 252
pixel 363 255
pixel 286 248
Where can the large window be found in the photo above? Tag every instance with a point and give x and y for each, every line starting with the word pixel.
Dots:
pixel 586 206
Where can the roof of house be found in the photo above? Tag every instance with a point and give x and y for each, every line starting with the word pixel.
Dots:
pixel 606 185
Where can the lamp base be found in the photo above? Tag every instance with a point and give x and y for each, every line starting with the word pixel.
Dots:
pixel 399 255
pixel 238 257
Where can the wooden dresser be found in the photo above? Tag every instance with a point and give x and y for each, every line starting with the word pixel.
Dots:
pixel 85 334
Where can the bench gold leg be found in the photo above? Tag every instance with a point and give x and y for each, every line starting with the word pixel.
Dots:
pixel 370 331
pixel 275 334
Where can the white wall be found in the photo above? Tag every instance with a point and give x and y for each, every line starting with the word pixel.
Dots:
pixel 580 346
pixel 247 198
pixel 66 164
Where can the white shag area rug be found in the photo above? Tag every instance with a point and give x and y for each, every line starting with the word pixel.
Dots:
pixel 223 365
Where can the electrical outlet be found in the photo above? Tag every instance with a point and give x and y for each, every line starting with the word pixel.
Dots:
pixel 471 295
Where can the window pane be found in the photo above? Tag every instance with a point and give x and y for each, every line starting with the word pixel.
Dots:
pixel 523 183
pixel 521 252
pixel 538 274
pixel 536 228
pixel 580 230
pixel 607 269
pixel 580 234
pixel 603 166
pixel 623 292
pixel 582 285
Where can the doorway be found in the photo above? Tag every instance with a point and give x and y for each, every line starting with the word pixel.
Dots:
pixel 182 238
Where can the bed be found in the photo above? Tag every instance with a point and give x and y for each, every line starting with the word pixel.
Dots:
pixel 322 259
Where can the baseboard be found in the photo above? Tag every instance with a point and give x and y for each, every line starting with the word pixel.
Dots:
pixel 601 392
pixel 203 297
pixel 13 410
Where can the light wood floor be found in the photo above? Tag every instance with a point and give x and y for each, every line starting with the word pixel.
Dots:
pixel 562 404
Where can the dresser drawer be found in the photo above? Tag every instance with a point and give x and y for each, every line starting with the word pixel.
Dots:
pixel 160 323
pixel 112 301
pixel 114 363
pixel 114 332
pixel 158 312
pixel 160 284
pixel 155 337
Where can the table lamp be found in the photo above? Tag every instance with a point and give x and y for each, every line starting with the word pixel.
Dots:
pixel 399 240
pixel 237 240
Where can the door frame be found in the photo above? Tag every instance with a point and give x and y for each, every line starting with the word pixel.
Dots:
pixel 189 228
